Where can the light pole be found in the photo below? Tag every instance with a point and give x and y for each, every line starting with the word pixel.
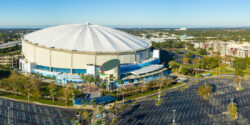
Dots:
pixel 73 95
pixel 28 95
pixel 174 117
pixel 196 74
pixel 232 100
pixel 159 94
pixel 78 116
pixel 205 82
pixel 123 98
pixel 8 115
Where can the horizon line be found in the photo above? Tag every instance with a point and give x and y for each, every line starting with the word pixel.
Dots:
pixel 129 26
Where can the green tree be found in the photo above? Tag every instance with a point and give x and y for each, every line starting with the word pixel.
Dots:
pixel 14 82
pixel 196 61
pixel 88 116
pixel 188 55
pixel 205 90
pixel 92 102
pixel 67 93
pixel 202 51
pixel 232 109
pixel 186 71
pixel 185 60
pixel 98 122
pixel 52 91
pixel 210 62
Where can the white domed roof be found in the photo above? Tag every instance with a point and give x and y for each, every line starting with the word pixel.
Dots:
pixel 86 37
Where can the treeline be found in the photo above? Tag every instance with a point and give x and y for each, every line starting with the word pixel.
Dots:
pixel 200 34
pixel 33 87
pixel 205 63
pixel 240 64
pixel 129 91
pixel 7 35
pixel 171 44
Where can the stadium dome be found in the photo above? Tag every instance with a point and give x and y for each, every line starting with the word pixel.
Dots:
pixel 87 38
pixel 75 48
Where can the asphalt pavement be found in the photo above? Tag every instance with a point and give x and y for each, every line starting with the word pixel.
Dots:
pixel 192 109
pixel 19 113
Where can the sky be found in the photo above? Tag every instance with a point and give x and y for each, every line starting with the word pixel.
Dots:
pixel 133 13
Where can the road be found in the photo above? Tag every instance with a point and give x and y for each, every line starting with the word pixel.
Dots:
pixel 192 109
pixel 19 113
pixel 10 44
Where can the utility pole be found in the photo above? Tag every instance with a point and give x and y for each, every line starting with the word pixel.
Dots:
pixel 174 117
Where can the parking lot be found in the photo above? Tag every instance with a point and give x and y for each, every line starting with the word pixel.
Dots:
pixel 18 113
pixel 192 109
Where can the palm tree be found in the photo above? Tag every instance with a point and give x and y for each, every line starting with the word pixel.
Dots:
pixel 88 116
pixel 67 92
pixel 89 79
pixel 36 85
pixel 14 79
pixel 103 84
pixel 28 85
pixel 85 78
pixel 52 91
pixel 119 83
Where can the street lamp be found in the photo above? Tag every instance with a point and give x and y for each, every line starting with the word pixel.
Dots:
pixel 78 116
pixel 123 98
pixel 28 95
pixel 8 115
pixel 232 100
pixel 73 95
pixel 174 117
pixel 159 94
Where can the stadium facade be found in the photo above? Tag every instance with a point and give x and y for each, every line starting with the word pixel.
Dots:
pixel 66 51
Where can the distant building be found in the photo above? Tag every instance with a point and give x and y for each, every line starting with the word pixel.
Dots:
pixel 181 29
pixel 231 48
pixel 238 49
pixel 11 61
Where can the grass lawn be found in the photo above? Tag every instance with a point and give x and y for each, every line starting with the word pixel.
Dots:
pixel 40 100
pixel 194 52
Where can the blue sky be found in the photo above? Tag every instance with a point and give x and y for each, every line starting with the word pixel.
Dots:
pixel 126 12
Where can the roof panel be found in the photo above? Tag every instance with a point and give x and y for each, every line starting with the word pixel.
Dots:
pixel 87 37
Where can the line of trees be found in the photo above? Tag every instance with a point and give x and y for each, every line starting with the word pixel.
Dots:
pixel 32 87
pixel 206 63
pixel 128 91
pixel 240 64
pixel 171 44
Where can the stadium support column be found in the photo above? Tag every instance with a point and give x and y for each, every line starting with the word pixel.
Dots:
pixel 50 59
pixel 34 54
pixel 71 63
